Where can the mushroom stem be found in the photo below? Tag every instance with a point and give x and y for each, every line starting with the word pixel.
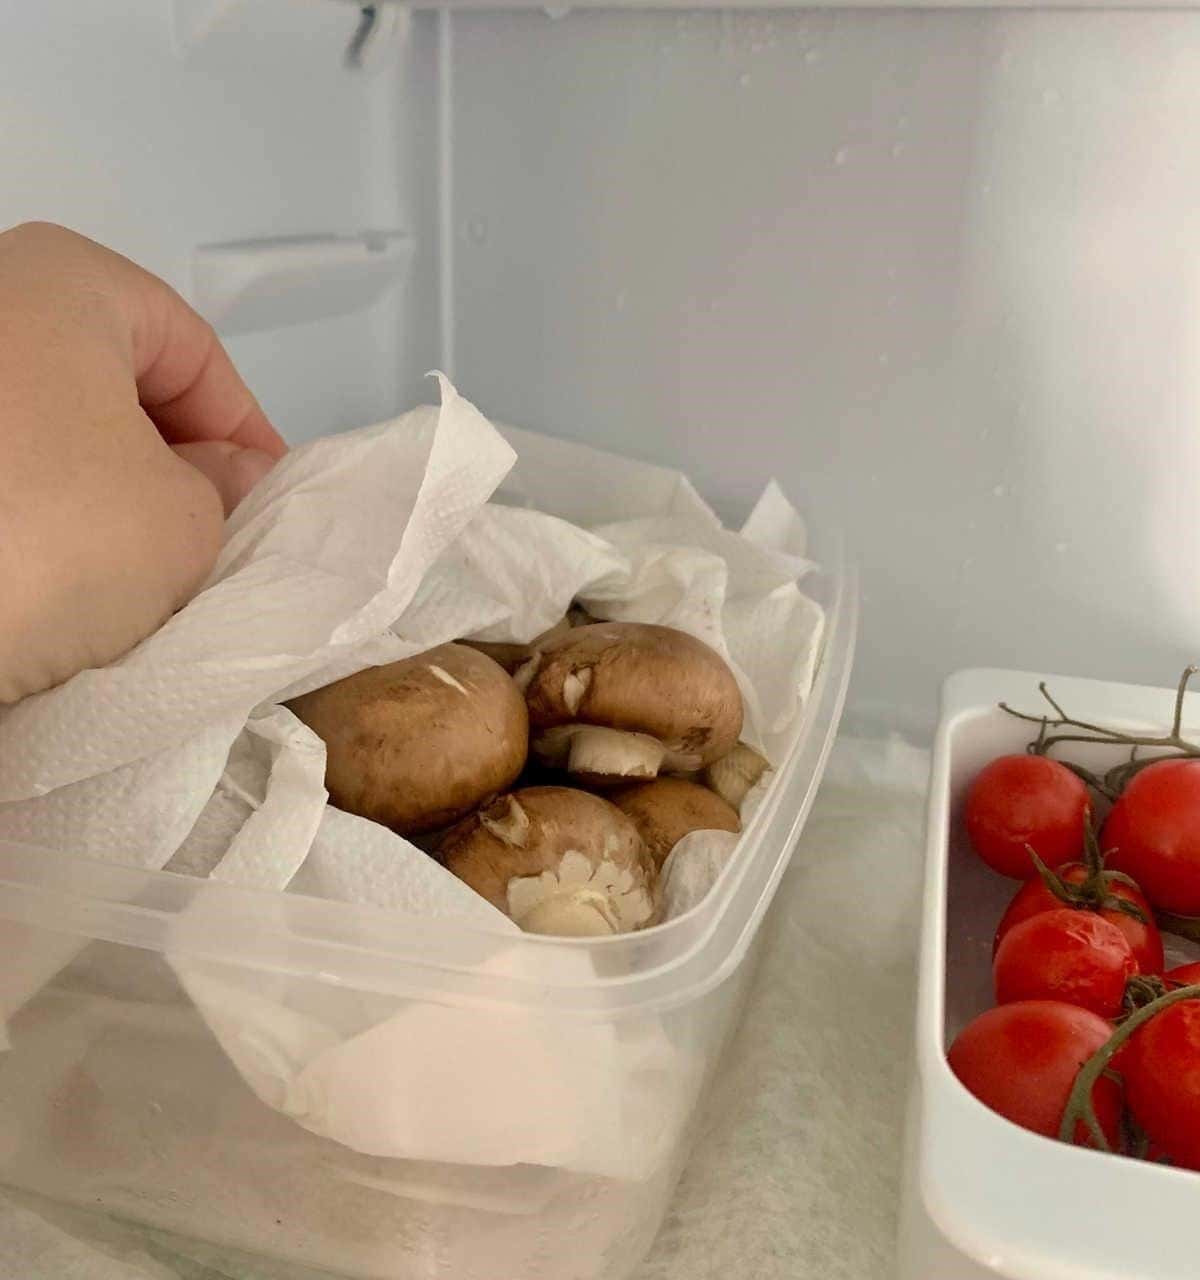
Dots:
pixel 603 753
pixel 575 913
pixel 733 775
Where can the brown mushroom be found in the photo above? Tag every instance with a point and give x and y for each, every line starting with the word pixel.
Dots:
pixel 417 744
pixel 556 861
pixel 734 774
pixel 667 809
pixel 514 658
pixel 621 700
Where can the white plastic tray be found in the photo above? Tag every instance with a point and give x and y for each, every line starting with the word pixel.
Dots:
pixel 982 1197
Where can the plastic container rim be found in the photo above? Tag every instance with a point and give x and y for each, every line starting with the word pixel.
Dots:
pixel 391 952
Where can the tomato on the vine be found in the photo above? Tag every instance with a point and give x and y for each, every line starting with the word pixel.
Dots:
pixel 1184 975
pixel 1153 834
pixel 1021 1060
pixel 1026 800
pixel 1161 1068
pixel 1034 897
pixel 1075 956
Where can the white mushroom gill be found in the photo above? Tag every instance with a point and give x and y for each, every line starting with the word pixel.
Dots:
pixel 509 823
pixel 575 686
pixel 552 901
pixel 446 678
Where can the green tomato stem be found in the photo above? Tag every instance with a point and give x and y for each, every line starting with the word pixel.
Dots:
pixel 1079 1109
pixel 1111 785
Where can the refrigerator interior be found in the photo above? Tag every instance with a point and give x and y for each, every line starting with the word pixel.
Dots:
pixel 933 270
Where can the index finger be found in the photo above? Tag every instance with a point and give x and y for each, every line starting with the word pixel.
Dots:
pixel 186 382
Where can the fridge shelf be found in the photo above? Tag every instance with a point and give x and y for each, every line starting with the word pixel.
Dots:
pixel 250 285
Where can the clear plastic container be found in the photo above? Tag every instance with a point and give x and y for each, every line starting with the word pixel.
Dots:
pixel 983 1198
pixel 115 1095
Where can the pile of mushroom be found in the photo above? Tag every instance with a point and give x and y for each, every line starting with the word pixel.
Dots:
pixel 647 716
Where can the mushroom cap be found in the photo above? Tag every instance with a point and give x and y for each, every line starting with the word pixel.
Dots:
pixel 640 678
pixel 536 842
pixel 417 744
pixel 667 809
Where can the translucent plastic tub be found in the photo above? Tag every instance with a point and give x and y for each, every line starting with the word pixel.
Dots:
pixel 115 1096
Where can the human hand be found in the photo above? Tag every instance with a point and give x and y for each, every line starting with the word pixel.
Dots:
pixel 126 436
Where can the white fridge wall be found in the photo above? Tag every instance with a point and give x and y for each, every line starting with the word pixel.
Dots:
pixel 935 271
pixel 258 130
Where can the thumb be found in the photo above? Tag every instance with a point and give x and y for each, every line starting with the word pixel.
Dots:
pixel 234 471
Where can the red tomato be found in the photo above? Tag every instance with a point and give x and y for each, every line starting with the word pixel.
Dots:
pixel 1161 1067
pixel 1022 1059
pixel 1075 956
pixel 1020 800
pixel 1153 833
pixel 1186 975
pixel 1033 898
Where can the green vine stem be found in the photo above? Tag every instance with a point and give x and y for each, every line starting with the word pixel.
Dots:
pixel 1093 894
pixel 1143 989
pixel 1111 784
pixel 1079 1108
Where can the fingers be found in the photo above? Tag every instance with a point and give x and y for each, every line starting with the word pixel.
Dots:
pixel 233 471
pixel 186 382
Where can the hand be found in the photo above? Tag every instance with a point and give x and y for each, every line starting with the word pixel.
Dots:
pixel 126 436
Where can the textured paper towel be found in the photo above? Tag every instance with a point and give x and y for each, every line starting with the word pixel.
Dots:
pixel 796 1174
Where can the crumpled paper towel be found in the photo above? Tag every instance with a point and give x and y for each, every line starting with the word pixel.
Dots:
pixel 362 549
pixel 796 1174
